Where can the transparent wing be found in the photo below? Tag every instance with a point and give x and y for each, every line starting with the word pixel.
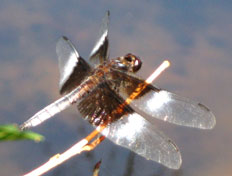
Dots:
pixel 175 109
pixel 100 51
pixel 72 67
pixel 157 103
pixel 132 131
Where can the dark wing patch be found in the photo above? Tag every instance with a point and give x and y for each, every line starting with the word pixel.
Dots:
pixel 72 67
pixel 102 106
pixel 127 83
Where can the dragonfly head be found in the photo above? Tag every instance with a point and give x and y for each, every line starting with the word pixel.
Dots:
pixel 129 63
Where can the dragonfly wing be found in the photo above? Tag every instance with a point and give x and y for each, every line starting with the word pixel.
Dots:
pixel 100 51
pixel 176 109
pixel 102 105
pixel 127 128
pixel 132 131
pixel 161 104
pixel 72 67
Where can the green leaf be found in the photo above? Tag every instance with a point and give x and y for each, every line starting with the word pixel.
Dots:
pixel 10 132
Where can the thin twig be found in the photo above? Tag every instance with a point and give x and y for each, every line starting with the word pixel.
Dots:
pixel 79 147
pixel 97 168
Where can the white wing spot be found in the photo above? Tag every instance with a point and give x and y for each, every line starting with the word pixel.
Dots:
pixel 158 100
pixel 68 68
pixel 134 125
pixel 99 43
pixel 165 118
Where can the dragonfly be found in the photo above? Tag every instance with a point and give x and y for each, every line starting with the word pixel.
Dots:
pixel 99 87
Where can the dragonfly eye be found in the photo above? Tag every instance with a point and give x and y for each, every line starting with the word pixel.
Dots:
pixel 135 62
pixel 129 62
pixel 128 58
